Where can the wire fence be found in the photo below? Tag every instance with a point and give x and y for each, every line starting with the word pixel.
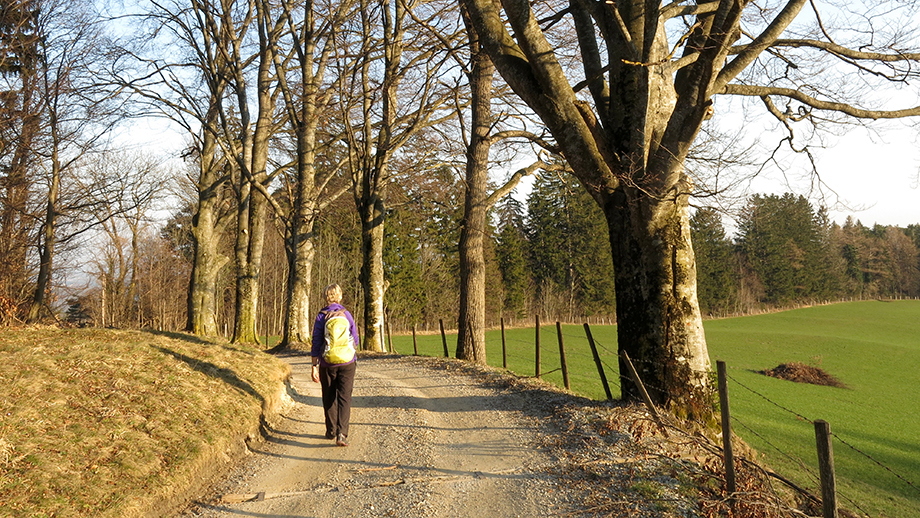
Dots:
pixel 540 355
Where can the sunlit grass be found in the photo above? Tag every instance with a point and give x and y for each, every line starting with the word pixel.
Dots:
pixel 103 422
pixel 873 347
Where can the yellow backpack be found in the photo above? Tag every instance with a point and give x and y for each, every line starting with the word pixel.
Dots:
pixel 340 345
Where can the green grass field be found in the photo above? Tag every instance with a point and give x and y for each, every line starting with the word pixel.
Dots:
pixel 873 347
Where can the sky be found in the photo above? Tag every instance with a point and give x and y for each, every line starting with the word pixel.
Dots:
pixel 881 177
pixel 875 177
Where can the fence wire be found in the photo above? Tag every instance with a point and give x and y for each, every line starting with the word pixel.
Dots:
pixel 802 465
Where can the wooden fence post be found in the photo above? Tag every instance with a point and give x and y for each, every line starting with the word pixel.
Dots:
pixel 389 336
pixel 728 456
pixel 443 337
pixel 597 361
pixel 414 341
pixel 537 353
pixel 826 466
pixel 504 349
pixel 565 367
pixel 645 396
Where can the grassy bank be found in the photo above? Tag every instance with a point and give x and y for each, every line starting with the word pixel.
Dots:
pixel 873 347
pixel 121 423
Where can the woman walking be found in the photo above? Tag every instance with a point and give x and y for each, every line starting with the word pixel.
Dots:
pixel 335 342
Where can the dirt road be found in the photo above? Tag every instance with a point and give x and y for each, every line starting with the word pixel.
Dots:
pixel 425 441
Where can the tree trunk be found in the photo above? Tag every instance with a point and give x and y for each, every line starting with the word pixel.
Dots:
pixel 249 258
pixel 206 267
pixel 208 226
pixel 471 334
pixel 300 246
pixel 15 226
pixel 372 280
pixel 47 250
pixel 628 150
pixel 133 307
pixel 297 318
pixel 254 180
pixel 658 318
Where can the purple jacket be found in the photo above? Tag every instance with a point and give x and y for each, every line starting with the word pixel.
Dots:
pixel 319 333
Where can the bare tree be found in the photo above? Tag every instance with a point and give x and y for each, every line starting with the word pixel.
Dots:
pixel 478 201
pixel 231 51
pixel 248 142
pixel 411 98
pixel 313 187
pixel 138 180
pixel 162 277
pixel 76 116
pixel 626 121
pixel 479 137
pixel 179 69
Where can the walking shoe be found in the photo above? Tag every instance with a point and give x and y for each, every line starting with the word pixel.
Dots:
pixel 330 435
pixel 340 440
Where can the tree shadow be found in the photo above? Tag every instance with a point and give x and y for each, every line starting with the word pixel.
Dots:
pixel 228 376
pixel 185 337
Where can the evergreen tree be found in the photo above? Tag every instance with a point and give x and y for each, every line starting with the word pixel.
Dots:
pixel 779 239
pixel 420 256
pixel 903 259
pixel 495 293
pixel 569 249
pixel 592 265
pixel 442 209
pixel 546 224
pixel 830 268
pixel 716 266
pixel 406 294
pixel 850 242
pixel 913 231
pixel 511 252
pixel 338 255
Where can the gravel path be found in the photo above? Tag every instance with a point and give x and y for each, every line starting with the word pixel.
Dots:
pixel 428 439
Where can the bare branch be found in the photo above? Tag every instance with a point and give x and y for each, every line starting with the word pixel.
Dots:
pixel 512 182
pixel 536 139
pixel 761 43
pixel 675 9
pixel 818 104
pixel 840 50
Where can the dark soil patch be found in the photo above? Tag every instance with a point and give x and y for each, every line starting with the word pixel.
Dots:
pixel 801 373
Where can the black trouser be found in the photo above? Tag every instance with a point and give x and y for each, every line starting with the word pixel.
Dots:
pixel 337 382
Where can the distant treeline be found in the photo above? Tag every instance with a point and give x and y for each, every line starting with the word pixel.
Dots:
pixel 786 252
pixel 547 255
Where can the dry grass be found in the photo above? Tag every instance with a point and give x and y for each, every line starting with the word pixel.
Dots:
pixel 121 423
